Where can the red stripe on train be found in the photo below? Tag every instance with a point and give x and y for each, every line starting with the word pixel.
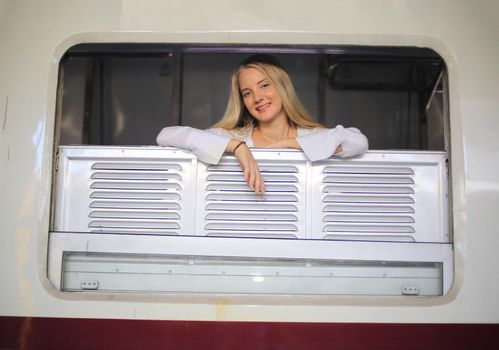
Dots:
pixel 59 333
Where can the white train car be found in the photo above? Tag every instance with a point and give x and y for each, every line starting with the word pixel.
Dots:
pixel 108 241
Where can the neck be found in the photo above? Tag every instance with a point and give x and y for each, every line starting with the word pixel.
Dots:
pixel 273 132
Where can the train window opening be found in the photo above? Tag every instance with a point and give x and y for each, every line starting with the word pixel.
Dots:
pixel 124 94
pixel 122 207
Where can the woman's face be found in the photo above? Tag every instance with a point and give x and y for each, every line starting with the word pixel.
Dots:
pixel 260 96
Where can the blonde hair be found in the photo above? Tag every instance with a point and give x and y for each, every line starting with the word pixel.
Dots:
pixel 237 116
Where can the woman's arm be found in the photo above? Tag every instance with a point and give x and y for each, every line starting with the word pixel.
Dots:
pixel 248 164
pixel 209 146
pixel 322 143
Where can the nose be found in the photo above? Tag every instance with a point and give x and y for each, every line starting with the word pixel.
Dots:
pixel 257 96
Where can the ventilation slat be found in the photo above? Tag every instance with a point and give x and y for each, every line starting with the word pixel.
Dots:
pixel 264 168
pixel 368 208
pixel 369 218
pixel 134 214
pixel 362 179
pixel 259 206
pixel 251 226
pixel 370 237
pixel 135 204
pixel 365 169
pixel 148 224
pixel 137 166
pixel 368 189
pixel 255 216
pixel 254 234
pixel 238 177
pixel 243 187
pixel 136 175
pixel 137 231
pixel 268 197
pixel 153 195
pixel 342 198
pixel 136 185
pixel 369 228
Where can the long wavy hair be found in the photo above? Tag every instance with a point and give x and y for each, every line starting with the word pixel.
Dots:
pixel 238 117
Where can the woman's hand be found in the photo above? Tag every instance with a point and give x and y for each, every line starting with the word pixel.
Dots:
pixel 248 164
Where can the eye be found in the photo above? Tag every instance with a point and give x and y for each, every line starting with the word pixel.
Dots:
pixel 245 94
pixel 264 85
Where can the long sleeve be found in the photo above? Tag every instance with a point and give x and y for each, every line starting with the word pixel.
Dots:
pixel 208 145
pixel 321 143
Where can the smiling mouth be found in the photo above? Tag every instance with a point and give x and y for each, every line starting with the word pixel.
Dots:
pixel 262 107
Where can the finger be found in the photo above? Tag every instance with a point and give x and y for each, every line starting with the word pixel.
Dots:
pixel 261 183
pixel 252 179
pixel 260 188
pixel 246 174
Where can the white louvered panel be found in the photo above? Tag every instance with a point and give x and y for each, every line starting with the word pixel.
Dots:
pixel 378 198
pixel 129 181
pixel 231 209
pixel 393 185
pixel 398 196
pixel 132 190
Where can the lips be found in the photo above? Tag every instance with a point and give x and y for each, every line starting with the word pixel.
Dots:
pixel 262 107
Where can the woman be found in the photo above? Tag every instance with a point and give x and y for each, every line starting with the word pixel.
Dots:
pixel 263 112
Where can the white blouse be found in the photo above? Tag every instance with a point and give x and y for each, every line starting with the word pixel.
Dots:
pixel 317 144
